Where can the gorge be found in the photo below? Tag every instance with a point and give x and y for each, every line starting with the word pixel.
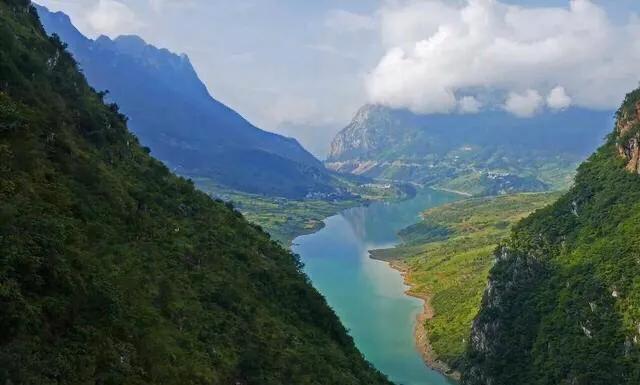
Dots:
pixel 152 235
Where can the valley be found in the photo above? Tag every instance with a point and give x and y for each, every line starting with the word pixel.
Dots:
pixel 462 233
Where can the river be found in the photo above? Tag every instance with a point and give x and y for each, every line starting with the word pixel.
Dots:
pixel 368 295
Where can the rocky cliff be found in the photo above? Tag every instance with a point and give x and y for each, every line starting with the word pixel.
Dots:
pixel 628 131
pixel 367 134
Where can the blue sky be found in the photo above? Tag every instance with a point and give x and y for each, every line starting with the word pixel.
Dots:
pixel 301 68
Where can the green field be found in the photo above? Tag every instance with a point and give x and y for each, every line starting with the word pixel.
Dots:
pixel 448 256
pixel 286 219
pixel 548 174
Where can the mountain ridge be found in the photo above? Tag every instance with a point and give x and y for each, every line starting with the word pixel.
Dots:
pixel 173 113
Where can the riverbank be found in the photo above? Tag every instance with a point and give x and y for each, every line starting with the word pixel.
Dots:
pixel 420 331
pixel 445 260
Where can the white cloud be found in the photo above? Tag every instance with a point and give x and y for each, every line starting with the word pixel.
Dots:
pixel 438 51
pixel 344 21
pixel 411 21
pixel 525 104
pixel 558 99
pixel 469 105
pixel 111 17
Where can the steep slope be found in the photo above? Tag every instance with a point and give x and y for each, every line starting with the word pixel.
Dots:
pixel 115 271
pixel 171 111
pixel 485 153
pixel 561 306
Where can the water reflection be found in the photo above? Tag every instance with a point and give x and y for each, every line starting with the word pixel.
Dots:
pixel 368 295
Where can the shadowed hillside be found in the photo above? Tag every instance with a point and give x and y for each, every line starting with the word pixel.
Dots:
pixel 115 271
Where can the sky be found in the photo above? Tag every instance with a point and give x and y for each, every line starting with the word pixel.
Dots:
pixel 303 68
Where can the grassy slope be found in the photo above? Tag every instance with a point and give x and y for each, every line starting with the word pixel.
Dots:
pixel 115 271
pixel 448 256
pixel 554 175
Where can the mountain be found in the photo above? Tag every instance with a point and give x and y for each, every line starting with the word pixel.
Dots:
pixel 115 271
pixel 172 112
pixel 485 153
pixel 561 305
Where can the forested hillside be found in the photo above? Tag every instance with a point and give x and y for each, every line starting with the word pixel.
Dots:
pixel 561 306
pixel 115 271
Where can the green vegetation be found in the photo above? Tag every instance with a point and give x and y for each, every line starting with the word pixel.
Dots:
pixel 286 219
pixel 503 181
pixel 563 301
pixel 115 271
pixel 447 257
pixel 484 154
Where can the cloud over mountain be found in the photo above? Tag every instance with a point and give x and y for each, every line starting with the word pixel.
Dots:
pixel 438 55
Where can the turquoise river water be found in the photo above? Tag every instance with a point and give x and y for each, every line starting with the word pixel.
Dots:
pixel 368 295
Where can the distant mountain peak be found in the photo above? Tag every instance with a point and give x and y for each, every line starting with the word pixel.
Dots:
pixel 362 135
pixel 387 143
pixel 133 40
pixel 136 46
pixel 61 15
pixel 366 112
pixel 173 113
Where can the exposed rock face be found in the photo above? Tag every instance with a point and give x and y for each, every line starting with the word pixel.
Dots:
pixel 488 341
pixel 366 134
pixel 628 129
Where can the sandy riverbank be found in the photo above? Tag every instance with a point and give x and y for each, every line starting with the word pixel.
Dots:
pixel 420 332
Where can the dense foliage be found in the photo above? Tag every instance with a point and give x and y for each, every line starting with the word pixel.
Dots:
pixel 447 257
pixel 115 271
pixel 562 302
